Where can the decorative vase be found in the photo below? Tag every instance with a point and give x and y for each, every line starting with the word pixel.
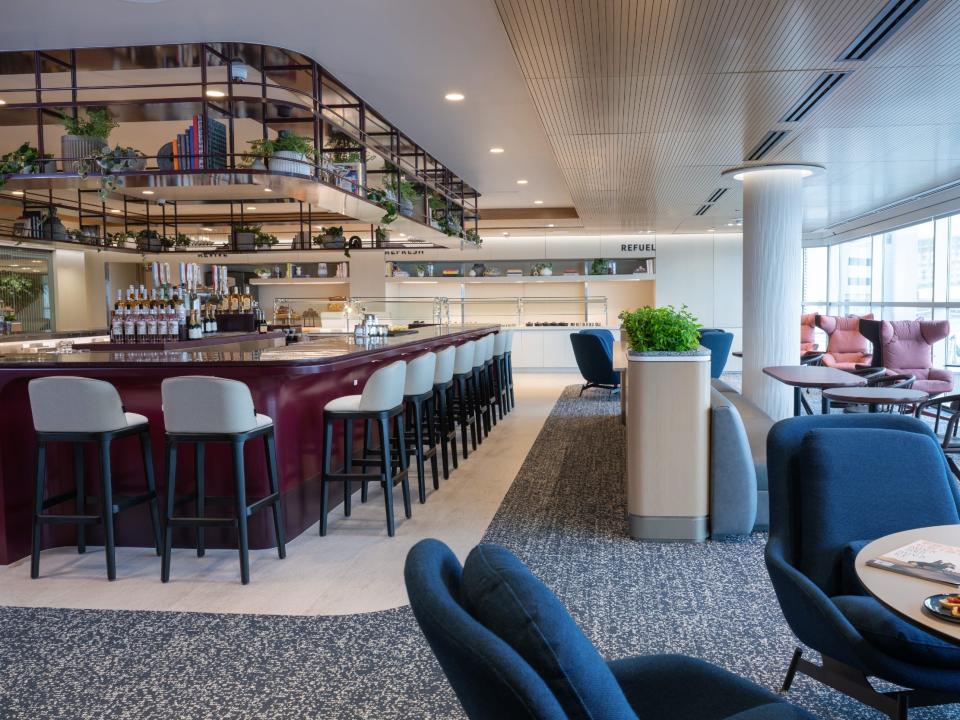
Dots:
pixel 289 162
pixel 53 229
pixel 547 272
pixel 332 242
pixel 78 147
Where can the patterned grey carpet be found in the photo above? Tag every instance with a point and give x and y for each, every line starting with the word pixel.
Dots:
pixel 563 516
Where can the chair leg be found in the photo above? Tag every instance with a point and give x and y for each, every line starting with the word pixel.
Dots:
pixel 199 462
pixel 270 447
pixel 327 459
pixel 367 442
pixel 404 467
pixel 347 465
pixel 461 398
pixel 418 449
pixel 791 671
pixel 39 482
pixel 432 443
pixel 81 501
pixel 146 451
pixel 451 426
pixel 171 504
pixel 387 472
pixel 241 493
pixel 441 410
pixel 106 482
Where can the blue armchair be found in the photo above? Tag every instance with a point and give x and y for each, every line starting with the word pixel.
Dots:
pixel 594 355
pixel 511 651
pixel 838 482
pixel 718 342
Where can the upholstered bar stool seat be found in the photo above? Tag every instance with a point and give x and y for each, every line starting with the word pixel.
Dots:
pixel 446 420
pixel 464 393
pixel 197 410
pixel 81 411
pixel 380 402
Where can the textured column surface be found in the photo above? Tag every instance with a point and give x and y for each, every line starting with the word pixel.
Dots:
pixel 772 279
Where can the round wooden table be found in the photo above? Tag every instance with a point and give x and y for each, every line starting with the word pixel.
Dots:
pixel 811 376
pixel 874 396
pixel 904 594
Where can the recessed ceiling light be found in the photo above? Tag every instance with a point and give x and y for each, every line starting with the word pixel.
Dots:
pixel 207 229
pixel 3 102
pixel 496 150
pixel 268 189
pixel 403 234
pixel 649 231
pixel 506 234
pixel 538 202
pixel 216 93
pixel 710 230
pixel 453 97
pixel 146 192
pixel 114 210
pixel 522 182
pixel 251 207
pixel 17 192
pixel 550 225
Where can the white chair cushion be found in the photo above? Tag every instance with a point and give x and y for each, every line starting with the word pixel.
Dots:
pixel 263 421
pixel 347 403
pixel 135 419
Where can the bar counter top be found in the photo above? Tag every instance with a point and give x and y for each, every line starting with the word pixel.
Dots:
pixel 316 351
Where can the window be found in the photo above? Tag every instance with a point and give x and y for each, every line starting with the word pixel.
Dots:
pixel 25 289
pixel 908 264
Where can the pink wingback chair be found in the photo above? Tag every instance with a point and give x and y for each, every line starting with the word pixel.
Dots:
pixel 846 347
pixel 808 323
pixel 903 347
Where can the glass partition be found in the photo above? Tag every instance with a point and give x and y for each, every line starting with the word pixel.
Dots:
pixel 399 311
pixel 312 314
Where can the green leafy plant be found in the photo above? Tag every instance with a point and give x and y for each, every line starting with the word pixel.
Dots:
pixel 598 267
pixel 265 240
pixel 381 236
pixel 345 147
pixel 663 329
pixel 539 267
pixel 254 228
pixel 22 161
pixel 389 205
pixel 472 237
pixel 182 241
pixel 119 239
pixel 15 289
pixel 97 124
pixel 286 141
pixel 449 225
pixel 108 161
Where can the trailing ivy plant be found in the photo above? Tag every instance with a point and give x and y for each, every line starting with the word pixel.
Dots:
pixel 663 329
pixel 472 237
pixel 286 141
pixel 265 240
pixel 108 161
pixel 22 161
pixel 97 124
pixel 380 197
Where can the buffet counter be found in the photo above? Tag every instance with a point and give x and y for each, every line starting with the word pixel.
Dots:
pixel 290 383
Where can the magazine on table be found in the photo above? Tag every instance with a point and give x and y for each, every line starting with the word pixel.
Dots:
pixel 923 559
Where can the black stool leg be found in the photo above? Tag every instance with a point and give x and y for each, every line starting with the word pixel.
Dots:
pixel 418 449
pixel 270 446
pixel 367 442
pixel 451 425
pixel 81 501
pixel 462 412
pixel 404 466
pixel 241 492
pixel 146 451
pixel 106 482
pixel 327 459
pixel 387 472
pixel 441 409
pixel 171 503
pixel 473 383
pixel 38 508
pixel 347 464
pixel 432 442
pixel 199 462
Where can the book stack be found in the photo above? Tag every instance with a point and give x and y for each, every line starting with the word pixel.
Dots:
pixel 203 146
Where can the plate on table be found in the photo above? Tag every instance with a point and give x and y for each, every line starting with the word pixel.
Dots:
pixel 940 606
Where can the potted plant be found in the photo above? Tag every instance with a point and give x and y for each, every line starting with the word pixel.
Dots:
pixel 345 160
pixel 421 270
pixel 449 225
pixel 119 239
pixel 661 330
pixel 330 238
pixel 106 162
pixel 381 237
pixel 181 241
pixel 149 241
pixel 542 268
pixel 25 160
pixel 85 136
pixel 167 242
pixel 256 156
pixel 403 195
pixel 382 198
pixel 472 237
pixel 599 267
pixel 245 236
pixel 51 227
pixel 263 272
pixel 264 240
pixel 291 154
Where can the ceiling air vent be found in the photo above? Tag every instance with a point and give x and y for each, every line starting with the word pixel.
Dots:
pixel 766 145
pixel 885 24
pixel 703 209
pixel 717 194
pixel 817 92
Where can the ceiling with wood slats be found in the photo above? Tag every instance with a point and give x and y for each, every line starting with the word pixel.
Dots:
pixel 644 102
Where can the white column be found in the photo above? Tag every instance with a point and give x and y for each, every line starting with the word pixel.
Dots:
pixel 772 283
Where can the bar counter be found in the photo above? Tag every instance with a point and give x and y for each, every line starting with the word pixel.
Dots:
pixel 290 383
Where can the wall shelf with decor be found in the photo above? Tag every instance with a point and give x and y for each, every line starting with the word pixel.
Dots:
pixel 517 270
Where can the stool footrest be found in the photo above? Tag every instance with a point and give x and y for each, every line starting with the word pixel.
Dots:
pixel 128 502
pixel 57 499
pixel 67 519
pixel 201 522
pixel 263 502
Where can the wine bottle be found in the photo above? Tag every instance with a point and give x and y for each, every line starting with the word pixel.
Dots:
pixel 173 325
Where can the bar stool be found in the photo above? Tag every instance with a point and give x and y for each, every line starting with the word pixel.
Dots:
pixel 464 384
pixel 200 409
pixel 508 362
pixel 482 404
pixel 381 400
pixel 488 377
pixel 418 399
pixel 80 411
pixel 446 420
pixel 499 380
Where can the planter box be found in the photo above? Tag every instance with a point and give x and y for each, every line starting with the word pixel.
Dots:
pixel 290 163
pixel 668 445
pixel 77 147
pixel 149 244
pixel 246 242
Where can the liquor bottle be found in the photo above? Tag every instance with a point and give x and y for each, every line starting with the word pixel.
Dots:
pixel 129 324
pixel 162 329
pixel 173 325
pixel 116 326
pixel 246 301
pixel 141 324
pixel 213 318
pixel 234 301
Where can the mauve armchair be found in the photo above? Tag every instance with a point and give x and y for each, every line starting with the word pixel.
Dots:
pixel 847 347
pixel 808 327
pixel 904 347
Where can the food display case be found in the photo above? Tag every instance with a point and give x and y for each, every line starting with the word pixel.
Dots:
pixel 399 311
pixel 531 311
pixel 311 314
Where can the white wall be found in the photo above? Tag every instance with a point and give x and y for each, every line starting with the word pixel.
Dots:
pixel 705 273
